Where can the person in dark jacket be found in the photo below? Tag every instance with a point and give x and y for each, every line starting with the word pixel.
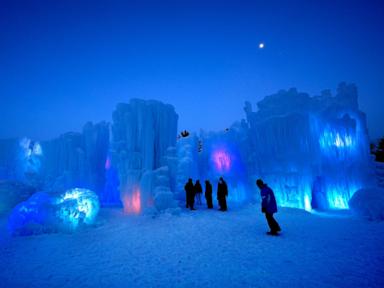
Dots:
pixel 198 192
pixel 268 206
pixel 190 194
pixel 208 194
pixel 222 193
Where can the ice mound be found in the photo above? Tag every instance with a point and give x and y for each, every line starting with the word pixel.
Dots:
pixel 368 203
pixel 77 206
pixel 44 213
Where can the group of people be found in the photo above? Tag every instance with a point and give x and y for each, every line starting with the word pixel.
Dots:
pixel 268 200
pixel 194 191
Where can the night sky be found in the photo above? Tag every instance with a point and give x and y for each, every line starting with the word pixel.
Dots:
pixel 62 64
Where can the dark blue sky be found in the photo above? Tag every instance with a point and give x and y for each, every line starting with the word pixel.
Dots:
pixel 62 64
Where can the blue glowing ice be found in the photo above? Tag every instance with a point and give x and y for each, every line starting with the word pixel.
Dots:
pixel 313 151
pixel 43 212
pixel 30 154
pixel 77 206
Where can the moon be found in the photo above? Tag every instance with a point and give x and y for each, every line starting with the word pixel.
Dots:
pixel 261 45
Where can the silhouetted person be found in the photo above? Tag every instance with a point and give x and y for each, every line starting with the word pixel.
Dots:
pixel 208 194
pixel 268 206
pixel 190 194
pixel 198 192
pixel 222 193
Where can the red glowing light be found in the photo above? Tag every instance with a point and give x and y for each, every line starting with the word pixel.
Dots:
pixel 132 203
pixel 221 160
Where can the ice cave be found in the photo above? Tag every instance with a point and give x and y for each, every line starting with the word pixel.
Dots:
pixel 313 151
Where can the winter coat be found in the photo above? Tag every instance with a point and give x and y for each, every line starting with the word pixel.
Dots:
pixel 222 190
pixel 268 201
pixel 208 190
pixel 198 188
pixel 189 189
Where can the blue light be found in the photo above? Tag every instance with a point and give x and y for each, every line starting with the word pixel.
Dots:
pixel 335 139
pixel 77 206
pixel 30 154
pixel 43 212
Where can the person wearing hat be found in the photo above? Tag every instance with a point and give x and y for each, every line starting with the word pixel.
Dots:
pixel 268 206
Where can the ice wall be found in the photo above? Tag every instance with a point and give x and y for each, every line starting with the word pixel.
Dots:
pixel 312 150
pixel 20 165
pixel 224 154
pixel 8 158
pixel 77 159
pixel 211 155
pixel 142 133
pixel 187 163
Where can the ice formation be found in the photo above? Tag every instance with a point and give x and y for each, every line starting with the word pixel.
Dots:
pixel 307 145
pixel 313 151
pixel 43 213
pixel 76 159
pixel 223 154
pixel 142 133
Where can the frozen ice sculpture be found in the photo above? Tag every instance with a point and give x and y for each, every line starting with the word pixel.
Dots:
pixel 44 213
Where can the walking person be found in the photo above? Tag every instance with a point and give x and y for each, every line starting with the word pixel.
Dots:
pixel 208 194
pixel 198 192
pixel 189 194
pixel 222 193
pixel 268 206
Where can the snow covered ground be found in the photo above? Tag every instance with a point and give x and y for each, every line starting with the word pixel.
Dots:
pixel 200 249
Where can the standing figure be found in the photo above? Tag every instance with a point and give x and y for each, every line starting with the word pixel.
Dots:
pixel 208 194
pixel 190 194
pixel 222 193
pixel 198 192
pixel 268 206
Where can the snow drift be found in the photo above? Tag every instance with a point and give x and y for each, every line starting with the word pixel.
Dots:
pixel 368 203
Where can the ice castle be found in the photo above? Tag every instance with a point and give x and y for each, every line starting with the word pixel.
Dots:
pixel 313 151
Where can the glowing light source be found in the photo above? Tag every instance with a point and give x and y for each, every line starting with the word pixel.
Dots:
pixel 261 45
pixel 335 139
pixel 30 157
pixel 77 206
pixel 37 150
pixel 132 203
pixel 307 203
pixel 222 160
pixel 43 212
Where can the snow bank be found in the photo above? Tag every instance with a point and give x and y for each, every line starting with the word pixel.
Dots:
pixel 368 203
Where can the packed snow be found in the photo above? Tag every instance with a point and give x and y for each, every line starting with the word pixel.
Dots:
pixel 203 248
pixel 368 203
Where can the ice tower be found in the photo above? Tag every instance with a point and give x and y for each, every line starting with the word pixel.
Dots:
pixel 142 134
